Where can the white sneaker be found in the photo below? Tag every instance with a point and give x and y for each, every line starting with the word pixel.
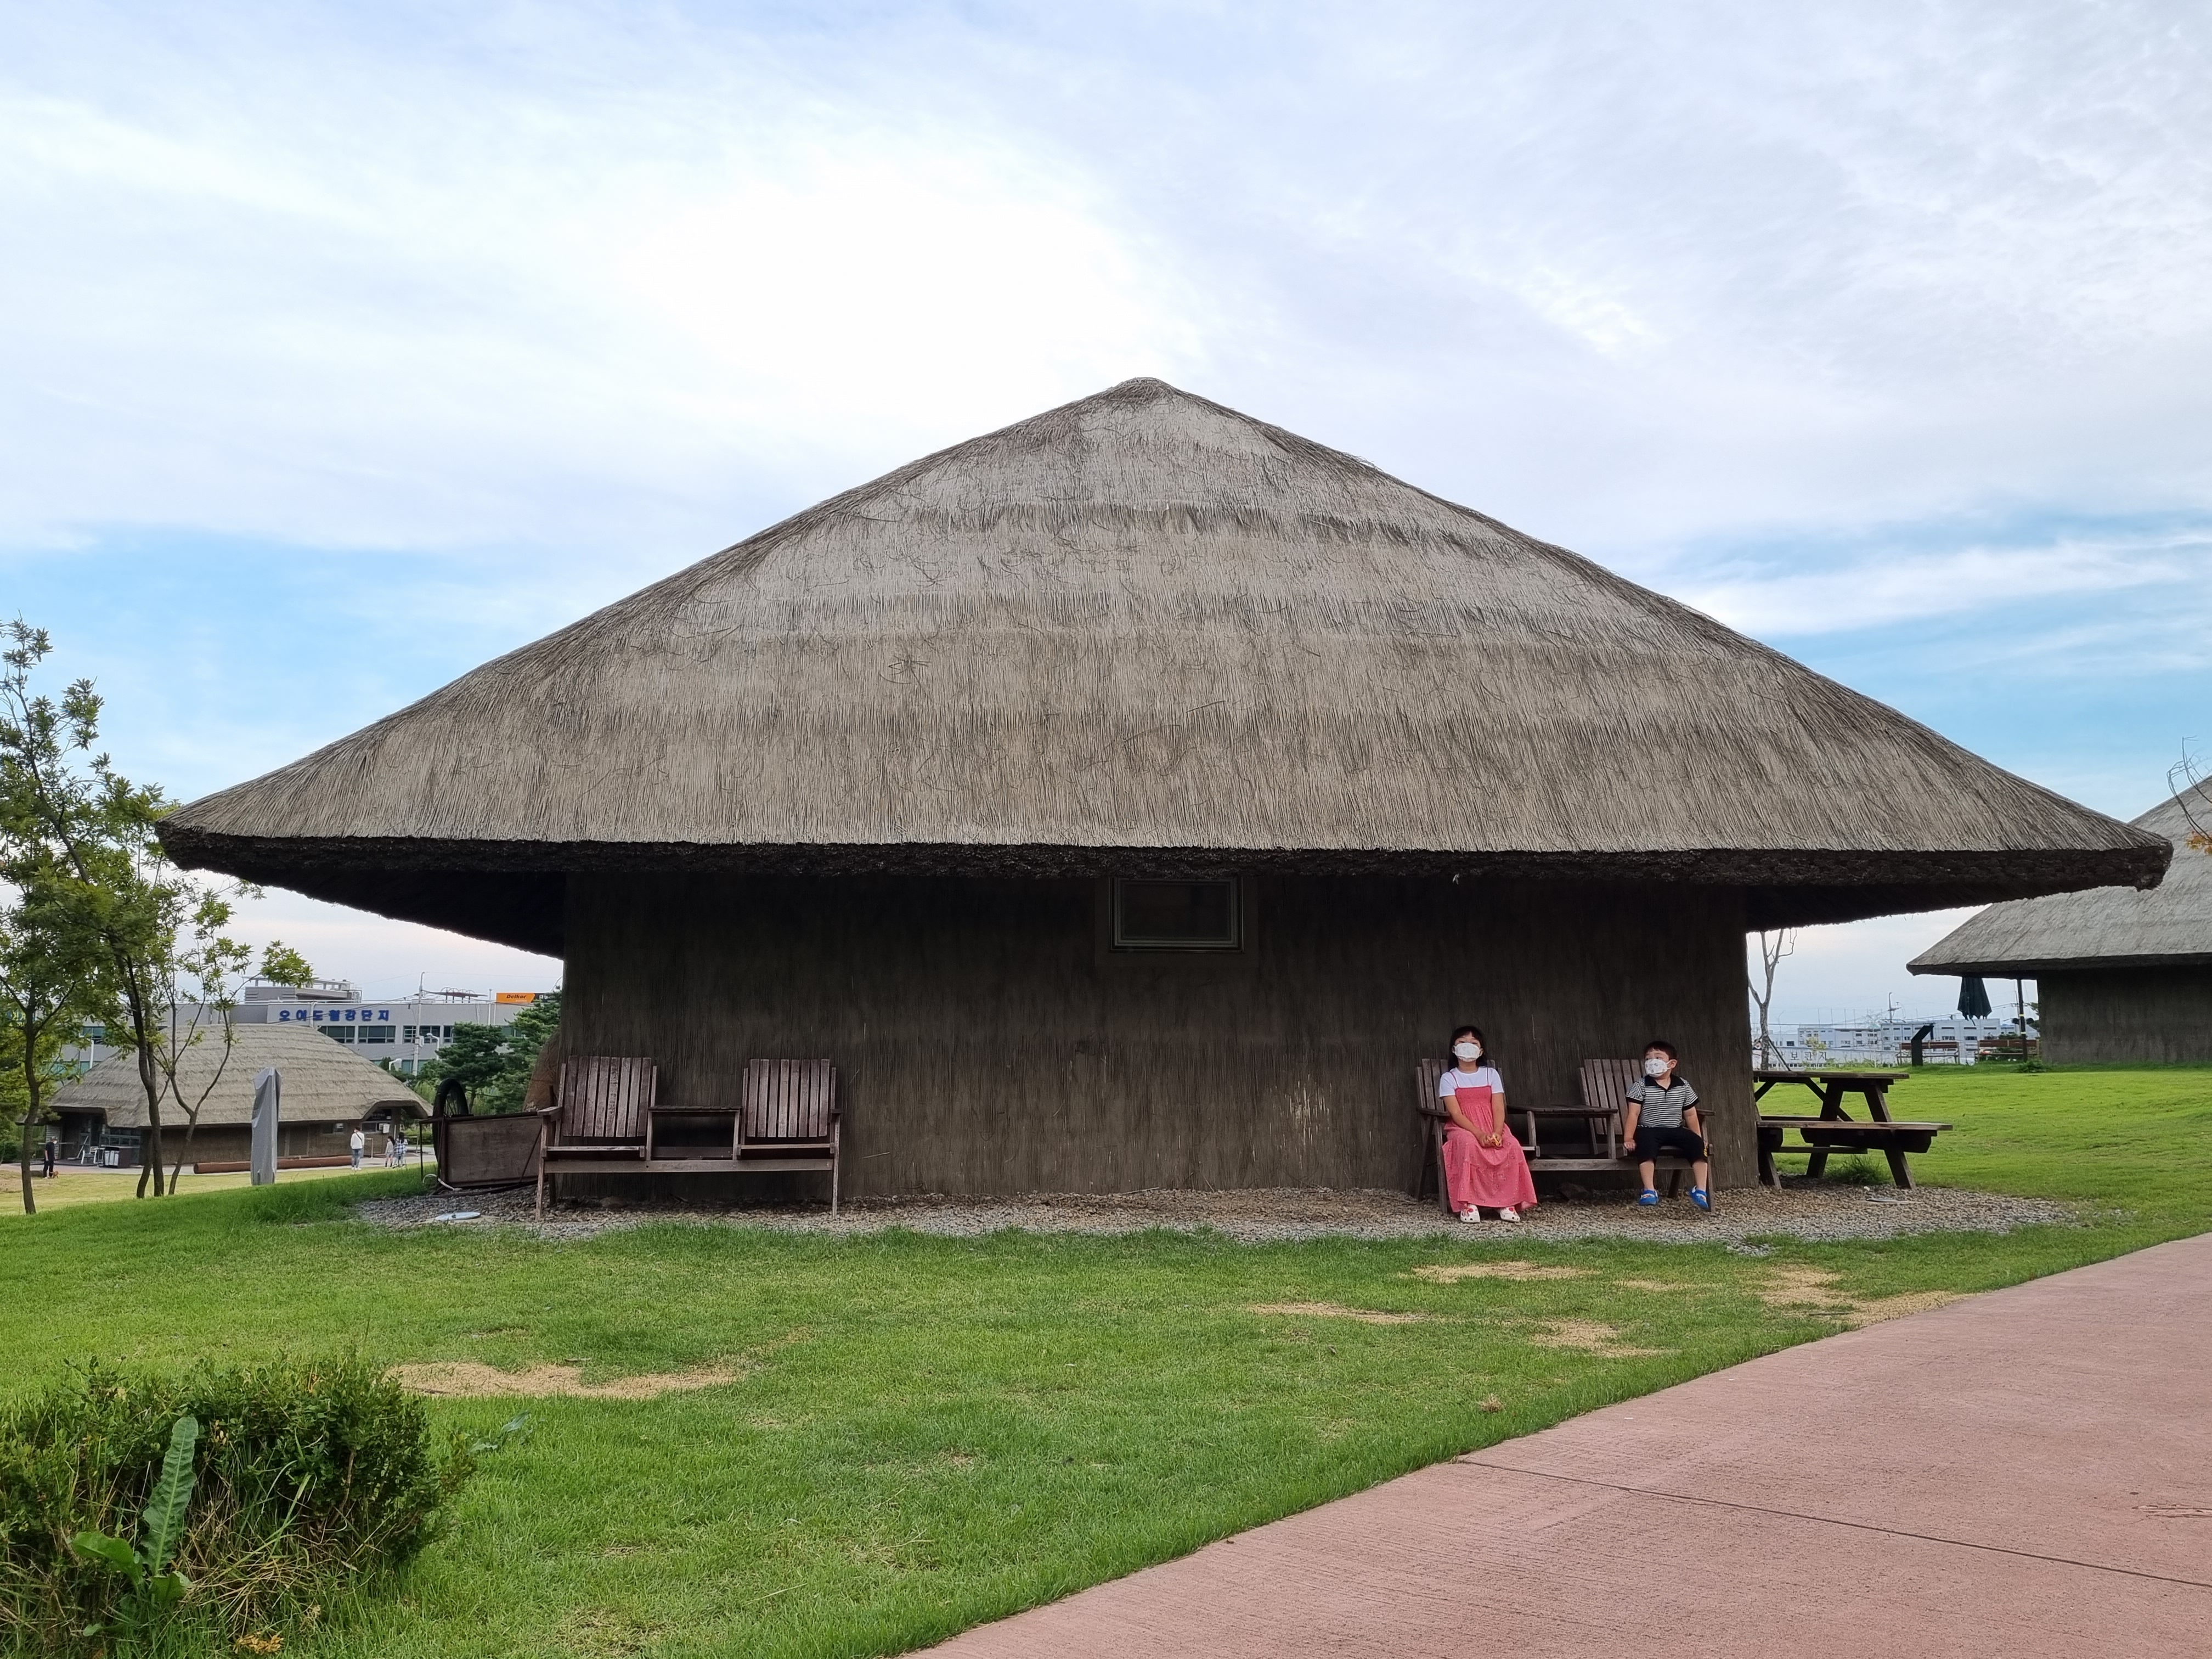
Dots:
pixel 1470 1215
pixel 1509 1214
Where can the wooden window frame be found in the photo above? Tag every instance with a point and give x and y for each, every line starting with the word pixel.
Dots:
pixel 1238 944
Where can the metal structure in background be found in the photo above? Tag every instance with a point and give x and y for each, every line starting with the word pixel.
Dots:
pixel 268 1094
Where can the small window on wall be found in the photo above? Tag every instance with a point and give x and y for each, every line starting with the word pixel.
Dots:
pixel 376 1034
pixel 337 1034
pixel 1177 915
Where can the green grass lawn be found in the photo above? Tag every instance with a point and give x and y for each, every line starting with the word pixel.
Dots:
pixel 71 1185
pixel 928 1432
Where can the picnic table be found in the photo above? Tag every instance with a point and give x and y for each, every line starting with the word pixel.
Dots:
pixel 1836 1130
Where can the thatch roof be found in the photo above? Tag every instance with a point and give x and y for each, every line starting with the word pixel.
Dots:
pixel 1144 632
pixel 2112 928
pixel 323 1081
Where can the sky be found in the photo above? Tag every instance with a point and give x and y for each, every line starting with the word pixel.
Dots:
pixel 342 348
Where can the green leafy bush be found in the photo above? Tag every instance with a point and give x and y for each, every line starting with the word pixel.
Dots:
pixel 120 1528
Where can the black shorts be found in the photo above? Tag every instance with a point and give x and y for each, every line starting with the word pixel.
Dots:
pixel 1653 1143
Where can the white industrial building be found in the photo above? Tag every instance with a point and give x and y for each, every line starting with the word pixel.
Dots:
pixel 1953 1040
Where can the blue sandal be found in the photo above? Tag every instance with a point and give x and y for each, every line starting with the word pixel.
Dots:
pixel 1650 1198
pixel 1702 1199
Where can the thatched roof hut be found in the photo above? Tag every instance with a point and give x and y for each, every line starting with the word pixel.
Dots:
pixel 1146 624
pixel 2167 926
pixel 327 1090
pixel 2124 974
pixel 888 748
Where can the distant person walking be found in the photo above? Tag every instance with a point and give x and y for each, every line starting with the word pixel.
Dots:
pixel 395 1148
pixel 46 1157
pixel 359 1143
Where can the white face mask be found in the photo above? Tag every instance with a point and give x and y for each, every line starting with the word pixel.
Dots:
pixel 1468 1050
pixel 1656 1067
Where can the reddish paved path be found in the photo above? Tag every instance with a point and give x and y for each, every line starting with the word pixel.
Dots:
pixel 2027 1471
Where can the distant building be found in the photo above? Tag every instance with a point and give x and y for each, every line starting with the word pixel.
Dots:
pixel 405 1031
pixel 2124 974
pixel 1955 1041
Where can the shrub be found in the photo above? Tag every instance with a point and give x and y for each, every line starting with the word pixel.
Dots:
pixel 305 1477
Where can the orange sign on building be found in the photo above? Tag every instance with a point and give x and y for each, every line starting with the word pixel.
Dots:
pixel 515 996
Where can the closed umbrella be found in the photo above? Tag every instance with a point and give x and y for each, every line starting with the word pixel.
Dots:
pixel 1973 997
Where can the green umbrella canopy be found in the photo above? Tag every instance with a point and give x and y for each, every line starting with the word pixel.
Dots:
pixel 1973 997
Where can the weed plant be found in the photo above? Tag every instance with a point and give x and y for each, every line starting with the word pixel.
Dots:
pixel 305 1478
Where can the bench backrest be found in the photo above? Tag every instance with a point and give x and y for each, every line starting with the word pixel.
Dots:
pixel 1606 1083
pixel 604 1097
pixel 1426 1073
pixel 789 1099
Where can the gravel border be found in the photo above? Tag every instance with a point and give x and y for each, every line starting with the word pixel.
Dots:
pixel 1821 1211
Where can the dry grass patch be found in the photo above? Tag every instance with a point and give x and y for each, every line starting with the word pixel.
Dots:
pixel 603 1631
pixel 1663 1286
pixel 1877 1308
pixel 1815 1290
pixel 1589 1336
pixel 1338 1310
pixel 470 1379
pixel 1451 1273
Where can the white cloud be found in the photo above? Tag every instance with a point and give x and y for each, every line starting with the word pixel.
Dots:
pixel 388 958
pixel 1902 584
pixel 336 300
pixel 573 275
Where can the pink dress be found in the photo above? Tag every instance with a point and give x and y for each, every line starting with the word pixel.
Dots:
pixel 1495 1178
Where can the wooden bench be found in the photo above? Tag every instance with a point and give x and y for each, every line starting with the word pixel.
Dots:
pixel 1832 1132
pixel 1605 1085
pixel 600 1119
pixel 787 1119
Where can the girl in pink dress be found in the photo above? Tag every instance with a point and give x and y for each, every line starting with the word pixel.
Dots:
pixel 1484 1165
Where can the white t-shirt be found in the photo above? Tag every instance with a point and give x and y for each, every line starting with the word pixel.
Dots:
pixel 357 1140
pixel 1480 1077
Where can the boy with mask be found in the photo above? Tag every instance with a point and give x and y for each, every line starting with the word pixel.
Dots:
pixel 1663 1117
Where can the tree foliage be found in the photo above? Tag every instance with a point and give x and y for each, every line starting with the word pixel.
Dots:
pixel 494 1062
pixel 51 982
pixel 80 836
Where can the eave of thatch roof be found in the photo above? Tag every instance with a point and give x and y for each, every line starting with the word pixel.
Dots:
pixel 323 1081
pixel 2112 927
pixel 1144 630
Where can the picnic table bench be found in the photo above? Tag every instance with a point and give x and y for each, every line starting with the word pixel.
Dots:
pixel 1832 1130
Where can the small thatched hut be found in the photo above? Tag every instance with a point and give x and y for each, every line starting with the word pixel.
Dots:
pixel 1129 797
pixel 2124 977
pixel 329 1092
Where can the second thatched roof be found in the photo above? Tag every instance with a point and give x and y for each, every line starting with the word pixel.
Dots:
pixel 1146 633
pixel 2111 928
pixel 323 1082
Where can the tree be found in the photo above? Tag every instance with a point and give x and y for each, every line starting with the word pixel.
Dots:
pixel 49 984
pixel 494 1062
pixel 203 978
pixel 282 965
pixel 1772 948
pixel 2187 779
pixel 66 812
